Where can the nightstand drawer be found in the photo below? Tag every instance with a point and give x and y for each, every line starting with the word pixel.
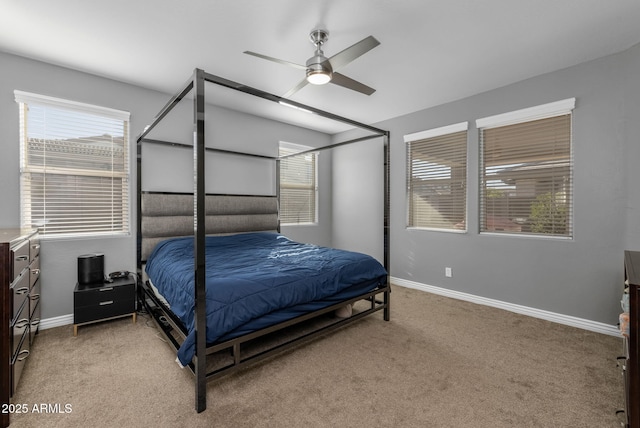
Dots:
pixel 105 309
pixel 95 296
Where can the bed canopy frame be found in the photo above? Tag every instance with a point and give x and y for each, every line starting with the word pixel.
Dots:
pixel 195 85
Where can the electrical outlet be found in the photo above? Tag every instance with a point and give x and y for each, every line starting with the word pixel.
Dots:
pixel 447 272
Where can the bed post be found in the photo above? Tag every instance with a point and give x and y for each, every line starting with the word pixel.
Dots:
pixel 199 239
pixel 277 183
pixel 139 209
pixel 387 294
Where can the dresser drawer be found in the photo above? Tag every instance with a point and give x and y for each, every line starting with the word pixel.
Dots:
pixel 34 248
pixel 34 321
pixel 18 361
pixel 34 271
pixel 20 258
pixel 19 327
pixel 34 297
pixel 19 291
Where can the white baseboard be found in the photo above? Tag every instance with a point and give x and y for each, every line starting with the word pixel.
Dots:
pixel 584 324
pixel 56 321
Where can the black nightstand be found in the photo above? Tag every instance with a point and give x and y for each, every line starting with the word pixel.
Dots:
pixel 101 302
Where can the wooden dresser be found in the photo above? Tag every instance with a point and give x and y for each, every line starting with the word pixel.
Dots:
pixel 19 308
pixel 632 346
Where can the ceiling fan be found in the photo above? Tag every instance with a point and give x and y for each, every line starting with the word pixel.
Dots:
pixel 321 70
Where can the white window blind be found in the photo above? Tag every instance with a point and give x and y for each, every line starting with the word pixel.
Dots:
pixel 74 160
pixel 437 178
pixel 298 184
pixel 526 183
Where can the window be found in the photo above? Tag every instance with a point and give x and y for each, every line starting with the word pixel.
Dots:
pixel 526 171
pixel 298 188
pixel 74 167
pixel 437 177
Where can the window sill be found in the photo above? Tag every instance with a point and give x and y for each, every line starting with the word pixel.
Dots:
pixel 528 236
pixel 69 237
pixel 434 229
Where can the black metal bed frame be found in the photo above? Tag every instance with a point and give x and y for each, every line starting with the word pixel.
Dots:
pixel 167 322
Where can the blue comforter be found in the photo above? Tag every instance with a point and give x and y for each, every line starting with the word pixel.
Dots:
pixel 253 275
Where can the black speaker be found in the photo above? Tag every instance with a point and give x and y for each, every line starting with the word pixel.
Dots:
pixel 90 269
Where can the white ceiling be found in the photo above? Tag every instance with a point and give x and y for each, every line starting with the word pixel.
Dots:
pixel 431 52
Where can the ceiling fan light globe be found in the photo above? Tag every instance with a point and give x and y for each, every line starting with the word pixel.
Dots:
pixel 318 77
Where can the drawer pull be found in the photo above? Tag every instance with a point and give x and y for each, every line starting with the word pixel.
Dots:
pixel 35 297
pixel 22 323
pixel 21 290
pixel 22 258
pixel 36 246
pixel 24 352
pixel 106 289
pixel 35 322
pixel 35 271
pixel 108 302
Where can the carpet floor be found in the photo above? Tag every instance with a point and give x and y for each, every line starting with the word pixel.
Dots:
pixel 439 362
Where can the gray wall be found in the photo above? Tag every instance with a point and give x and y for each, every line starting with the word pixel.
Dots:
pixel 358 197
pixel 631 82
pixel 580 277
pixel 59 257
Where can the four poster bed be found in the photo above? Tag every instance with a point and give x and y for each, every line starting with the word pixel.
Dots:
pixel 218 277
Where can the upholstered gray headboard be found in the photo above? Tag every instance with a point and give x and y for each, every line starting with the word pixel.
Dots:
pixel 169 215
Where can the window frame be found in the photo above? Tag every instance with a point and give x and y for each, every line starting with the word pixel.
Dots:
pixel 522 116
pixel 428 134
pixel 300 149
pixel 25 100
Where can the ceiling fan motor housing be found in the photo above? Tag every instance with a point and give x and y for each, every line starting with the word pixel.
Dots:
pixel 319 70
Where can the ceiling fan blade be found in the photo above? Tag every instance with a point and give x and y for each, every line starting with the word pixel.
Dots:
pixel 296 88
pixel 349 83
pixel 347 55
pixel 279 61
